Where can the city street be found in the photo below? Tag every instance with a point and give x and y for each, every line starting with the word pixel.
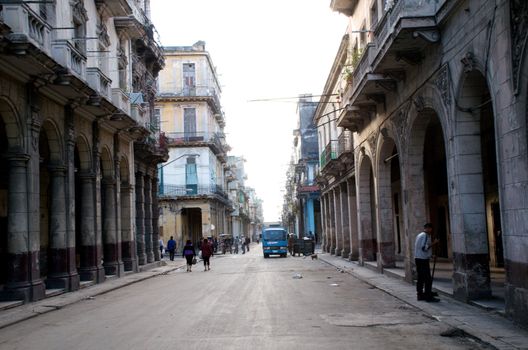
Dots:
pixel 245 301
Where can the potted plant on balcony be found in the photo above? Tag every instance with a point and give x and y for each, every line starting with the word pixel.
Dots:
pixel 348 75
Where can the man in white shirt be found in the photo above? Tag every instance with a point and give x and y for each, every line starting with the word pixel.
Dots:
pixel 422 253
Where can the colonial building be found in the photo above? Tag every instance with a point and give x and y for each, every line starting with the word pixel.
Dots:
pixel 239 194
pixel 302 187
pixel 194 200
pixel 256 215
pixel 78 143
pixel 430 126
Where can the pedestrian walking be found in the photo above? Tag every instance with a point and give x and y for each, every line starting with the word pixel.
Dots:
pixel 247 243
pixel 291 243
pixel 161 246
pixel 243 245
pixel 189 253
pixel 422 253
pixel 171 247
pixel 207 252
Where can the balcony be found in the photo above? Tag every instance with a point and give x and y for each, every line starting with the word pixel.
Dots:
pixel 121 100
pixel 345 7
pixel 345 149
pixel 115 7
pixel 195 93
pixel 199 139
pixel 191 191
pixel 27 28
pixel 99 81
pixel 70 57
pixel 328 159
pixel 400 42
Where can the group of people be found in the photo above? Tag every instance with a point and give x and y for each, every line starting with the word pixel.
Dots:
pixel 189 252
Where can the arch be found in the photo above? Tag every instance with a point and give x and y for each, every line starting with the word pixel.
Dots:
pixel 477 224
pixel 53 138
pixel 124 170
pixel 366 207
pixel 390 240
pixel 84 153
pixel 9 116
pixel 107 164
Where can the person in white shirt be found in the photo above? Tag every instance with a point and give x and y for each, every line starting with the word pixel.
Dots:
pixel 161 247
pixel 422 253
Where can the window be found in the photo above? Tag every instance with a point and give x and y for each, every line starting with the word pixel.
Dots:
pixel 189 122
pixel 191 176
pixel 189 79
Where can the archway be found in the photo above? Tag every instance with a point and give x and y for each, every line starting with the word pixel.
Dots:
pixel 368 249
pixel 127 240
pixel 108 213
pixel 4 193
pixel 391 241
pixel 476 169
pixel 52 207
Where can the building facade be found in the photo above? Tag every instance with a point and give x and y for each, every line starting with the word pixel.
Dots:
pixel 303 188
pixel 239 194
pixel 193 186
pixel 78 151
pixel 432 103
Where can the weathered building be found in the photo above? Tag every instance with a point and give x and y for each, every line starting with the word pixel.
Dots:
pixel 194 200
pixel 305 166
pixel 78 154
pixel 239 194
pixel 432 112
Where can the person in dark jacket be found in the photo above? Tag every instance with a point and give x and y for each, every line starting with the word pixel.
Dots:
pixel 189 254
pixel 207 252
pixel 171 247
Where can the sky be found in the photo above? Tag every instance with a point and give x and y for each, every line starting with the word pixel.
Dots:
pixel 261 50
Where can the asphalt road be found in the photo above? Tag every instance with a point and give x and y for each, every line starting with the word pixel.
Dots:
pixel 244 302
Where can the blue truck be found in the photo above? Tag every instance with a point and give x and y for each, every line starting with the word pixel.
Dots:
pixel 274 241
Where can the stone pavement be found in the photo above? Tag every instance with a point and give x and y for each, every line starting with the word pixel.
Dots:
pixel 22 312
pixel 486 326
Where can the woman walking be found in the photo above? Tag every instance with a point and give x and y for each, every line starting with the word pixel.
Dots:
pixel 189 254
pixel 207 252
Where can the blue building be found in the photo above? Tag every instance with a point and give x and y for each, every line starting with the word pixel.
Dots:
pixel 306 213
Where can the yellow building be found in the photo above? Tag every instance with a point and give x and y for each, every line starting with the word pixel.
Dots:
pixel 193 201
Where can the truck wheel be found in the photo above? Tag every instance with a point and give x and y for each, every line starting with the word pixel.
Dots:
pixel 266 256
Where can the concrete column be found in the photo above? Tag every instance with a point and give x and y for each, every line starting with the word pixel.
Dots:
pixel 345 226
pixel 140 219
pixel 148 218
pixel 155 217
pixel 111 262
pixel 91 268
pixel 353 223
pixel 128 243
pixel 328 234
pixel 23 276
pixel 60 275
pixel 331 221
pixel 323 224
pixel 206 222
pixel 337 221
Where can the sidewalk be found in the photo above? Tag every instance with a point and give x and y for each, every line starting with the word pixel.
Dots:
pixel 23 312
pixel 489 327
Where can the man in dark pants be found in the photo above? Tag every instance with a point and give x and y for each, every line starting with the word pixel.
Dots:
pixel 422 253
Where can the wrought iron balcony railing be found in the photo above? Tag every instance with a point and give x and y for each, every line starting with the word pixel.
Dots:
pixel 329 153
pixel 170 190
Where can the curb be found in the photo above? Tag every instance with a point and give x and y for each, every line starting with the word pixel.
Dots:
pixel 27 311
pixel 485 339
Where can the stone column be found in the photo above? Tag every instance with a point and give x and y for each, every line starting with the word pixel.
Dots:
pixel 206 223
pixel 155 217
pixel 353 224
pixel 345 225
pixel 148 218
pixel 60 275
pixel 331 221
pixel 323 225
pixel 128 243
pixel 140 219
pixel 23 274
pixel 111 263
pixel 328 231
pixel 337 221
pixel 91 268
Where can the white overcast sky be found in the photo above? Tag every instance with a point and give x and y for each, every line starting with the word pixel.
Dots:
pixel 261 49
